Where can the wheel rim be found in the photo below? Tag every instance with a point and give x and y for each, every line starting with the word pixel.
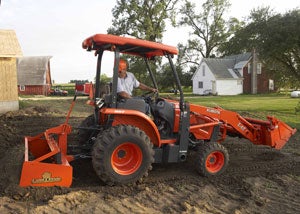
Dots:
pixel 215 161
pixel 126 158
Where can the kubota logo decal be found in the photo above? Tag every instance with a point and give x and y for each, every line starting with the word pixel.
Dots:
pixel 243 128
pixel 214 111
pixel 46 178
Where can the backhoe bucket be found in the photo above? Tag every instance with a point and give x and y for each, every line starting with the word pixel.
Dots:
pixel 46 162
pixel 274 132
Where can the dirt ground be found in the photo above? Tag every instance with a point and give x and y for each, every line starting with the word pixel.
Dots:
pixel 258 179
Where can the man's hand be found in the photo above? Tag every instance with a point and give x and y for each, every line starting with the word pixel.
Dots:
pixel 154 90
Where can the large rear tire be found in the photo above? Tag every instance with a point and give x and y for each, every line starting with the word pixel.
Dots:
pixel 212 159
pixel 122 154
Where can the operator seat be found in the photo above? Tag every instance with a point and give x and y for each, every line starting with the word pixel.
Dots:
pixel 132 104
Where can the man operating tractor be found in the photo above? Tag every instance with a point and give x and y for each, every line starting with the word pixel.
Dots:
pixel 127 81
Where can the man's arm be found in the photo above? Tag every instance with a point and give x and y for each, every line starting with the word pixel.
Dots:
pixel 147 88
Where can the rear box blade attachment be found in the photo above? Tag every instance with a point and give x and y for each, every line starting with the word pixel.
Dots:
pixel 46 162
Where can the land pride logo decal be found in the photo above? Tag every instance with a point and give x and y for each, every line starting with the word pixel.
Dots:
pixel 46 178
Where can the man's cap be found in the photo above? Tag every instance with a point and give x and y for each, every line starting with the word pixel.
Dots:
pixel 122 65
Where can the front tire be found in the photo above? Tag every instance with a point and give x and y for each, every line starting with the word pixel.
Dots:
pixel 212 159
pixel 122 154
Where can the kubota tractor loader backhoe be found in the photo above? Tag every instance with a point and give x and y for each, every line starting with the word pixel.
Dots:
pixel 123 141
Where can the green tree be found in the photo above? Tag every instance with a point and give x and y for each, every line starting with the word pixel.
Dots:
pixel 144 19
pixel 247 36
pixel 183 58
pixel 276 39
pixel 209 29
pixel 105 79
pixel 165 79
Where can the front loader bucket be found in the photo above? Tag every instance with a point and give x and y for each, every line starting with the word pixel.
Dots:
pixel 46 162
pixel 280 133
pixel 274 132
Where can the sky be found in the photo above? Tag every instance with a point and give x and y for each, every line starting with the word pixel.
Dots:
pixel 57 28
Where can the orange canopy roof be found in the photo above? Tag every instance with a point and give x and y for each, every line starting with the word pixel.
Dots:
pixel 128 45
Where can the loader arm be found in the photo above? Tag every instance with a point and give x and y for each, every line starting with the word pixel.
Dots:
pixel 272 132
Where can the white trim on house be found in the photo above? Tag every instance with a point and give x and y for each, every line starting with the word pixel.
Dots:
pixel 232 73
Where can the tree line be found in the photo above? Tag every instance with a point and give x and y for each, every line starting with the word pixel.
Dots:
pixel 275 36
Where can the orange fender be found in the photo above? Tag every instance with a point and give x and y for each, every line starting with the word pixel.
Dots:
pixel 137 119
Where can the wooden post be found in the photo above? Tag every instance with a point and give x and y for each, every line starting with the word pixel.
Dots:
pixel 254 73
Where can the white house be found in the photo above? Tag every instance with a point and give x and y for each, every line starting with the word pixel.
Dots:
pixel 220 76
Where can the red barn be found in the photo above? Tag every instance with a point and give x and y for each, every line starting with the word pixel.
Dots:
pixel 34 76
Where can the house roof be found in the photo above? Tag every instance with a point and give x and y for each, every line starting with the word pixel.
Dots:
pixel 239 57
pixel 32 70
pixel 229 66
pixel 220 67
pixel 9 45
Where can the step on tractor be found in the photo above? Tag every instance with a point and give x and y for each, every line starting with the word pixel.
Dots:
pixel 123 141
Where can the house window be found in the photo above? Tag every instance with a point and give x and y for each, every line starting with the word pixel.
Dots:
pixel 203 70
pixel 200 84
pixel 258 68
pixel 271 84
pixel 249 68
pixel 22 87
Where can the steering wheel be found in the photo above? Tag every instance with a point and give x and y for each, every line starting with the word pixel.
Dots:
pixel 147 96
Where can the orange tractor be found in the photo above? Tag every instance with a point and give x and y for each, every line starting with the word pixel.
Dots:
pixel 123 141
